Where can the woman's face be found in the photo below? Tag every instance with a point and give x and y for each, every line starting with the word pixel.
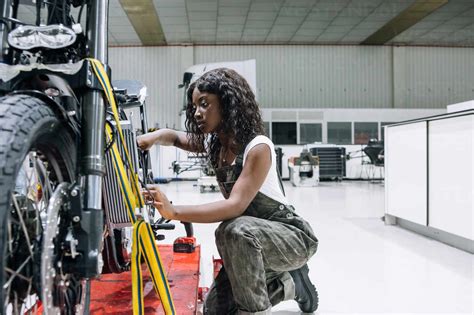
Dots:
pixel 207 111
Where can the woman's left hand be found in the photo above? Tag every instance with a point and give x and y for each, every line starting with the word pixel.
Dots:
pixel 160 202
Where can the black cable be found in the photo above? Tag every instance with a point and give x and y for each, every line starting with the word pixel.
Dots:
pixel 114 136
pixel 80 12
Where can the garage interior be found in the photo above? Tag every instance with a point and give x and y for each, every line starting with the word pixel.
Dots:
pixel 396 229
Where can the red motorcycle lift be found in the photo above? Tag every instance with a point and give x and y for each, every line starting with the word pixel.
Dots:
pixel 112 293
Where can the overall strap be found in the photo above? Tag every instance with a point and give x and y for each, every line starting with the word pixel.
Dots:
pixel 239 159
pixel 280 181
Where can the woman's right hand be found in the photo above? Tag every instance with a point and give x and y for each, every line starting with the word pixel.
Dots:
pixel 146 141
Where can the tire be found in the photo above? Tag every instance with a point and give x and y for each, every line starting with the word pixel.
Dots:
pixel 37 153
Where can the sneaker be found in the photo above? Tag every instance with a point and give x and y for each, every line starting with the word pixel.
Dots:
pixel 305 293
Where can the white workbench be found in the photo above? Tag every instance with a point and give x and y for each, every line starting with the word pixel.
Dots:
pixel 429 177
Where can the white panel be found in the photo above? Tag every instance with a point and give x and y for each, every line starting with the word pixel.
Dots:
pixel 405 172
pixel 451 189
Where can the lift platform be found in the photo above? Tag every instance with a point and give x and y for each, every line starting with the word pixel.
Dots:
pixel 112 293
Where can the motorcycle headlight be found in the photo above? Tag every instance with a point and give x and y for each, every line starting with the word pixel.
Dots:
pixel 26 37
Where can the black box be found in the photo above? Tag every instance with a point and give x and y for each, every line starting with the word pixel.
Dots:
pixel 332 162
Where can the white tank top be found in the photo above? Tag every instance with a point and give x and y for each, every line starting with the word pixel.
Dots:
pixel 271 186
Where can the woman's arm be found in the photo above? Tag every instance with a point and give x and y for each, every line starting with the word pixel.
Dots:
pixel 253 175
pixel 166 137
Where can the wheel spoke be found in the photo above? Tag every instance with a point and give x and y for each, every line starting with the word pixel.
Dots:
pixel 23 226
pixel 9 241
pixel 16 273
pixel 43 178
pixel 49 162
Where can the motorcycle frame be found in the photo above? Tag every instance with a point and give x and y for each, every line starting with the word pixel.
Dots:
pixel 86 193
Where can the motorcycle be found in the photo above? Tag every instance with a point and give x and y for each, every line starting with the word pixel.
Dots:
pixel 63 218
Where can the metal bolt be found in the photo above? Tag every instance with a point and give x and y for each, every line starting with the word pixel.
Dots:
pixel 76 218
pixel 74 192
pixel 89 82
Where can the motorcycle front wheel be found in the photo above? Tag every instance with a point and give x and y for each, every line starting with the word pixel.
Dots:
pixel 37 166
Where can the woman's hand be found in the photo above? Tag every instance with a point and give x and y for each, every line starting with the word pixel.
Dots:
pixel 160 202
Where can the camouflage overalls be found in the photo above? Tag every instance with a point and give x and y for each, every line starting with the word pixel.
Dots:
pixel 258 249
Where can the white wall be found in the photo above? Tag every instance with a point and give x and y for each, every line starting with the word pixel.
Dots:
pixel 310 76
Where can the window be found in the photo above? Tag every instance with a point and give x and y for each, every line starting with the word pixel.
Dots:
pixel 382 129
pixel 339 133
pixel 310 133
pixel 266 125
pixel 284 132
pixel 364 131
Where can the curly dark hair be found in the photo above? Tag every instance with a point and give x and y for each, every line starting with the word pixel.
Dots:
pixel 241 118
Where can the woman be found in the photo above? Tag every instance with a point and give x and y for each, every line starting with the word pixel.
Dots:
pixel 264 244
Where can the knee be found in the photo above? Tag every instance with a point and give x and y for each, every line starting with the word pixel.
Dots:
pixel 235 231
pixel 233 228
pixel 219 234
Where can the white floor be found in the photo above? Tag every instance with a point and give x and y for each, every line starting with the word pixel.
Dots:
pixel 362 266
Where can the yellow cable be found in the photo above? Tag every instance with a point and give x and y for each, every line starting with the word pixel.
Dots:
pixel 143 241
pixel 107 87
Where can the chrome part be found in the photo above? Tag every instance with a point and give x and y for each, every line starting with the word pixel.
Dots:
pixel 100 263
pixel 94 192
pixel 29 200
pixel 26 37
pixel 48 270
pixel 5 11
pixel 115 206
pixel 93 133
pixel 127 234
pixel 72 244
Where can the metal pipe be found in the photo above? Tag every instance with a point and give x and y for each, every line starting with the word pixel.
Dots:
pixel 93 145
pixel 93 105
pixel 5 7
pixel 97 30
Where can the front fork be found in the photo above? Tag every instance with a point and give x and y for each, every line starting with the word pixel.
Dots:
pixel 92 153
pixel 89 222
pixel 5 11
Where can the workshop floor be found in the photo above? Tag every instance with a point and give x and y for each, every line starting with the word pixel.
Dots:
pixel 362 266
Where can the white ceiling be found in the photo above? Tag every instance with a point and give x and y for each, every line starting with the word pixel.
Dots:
pixel 218 22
